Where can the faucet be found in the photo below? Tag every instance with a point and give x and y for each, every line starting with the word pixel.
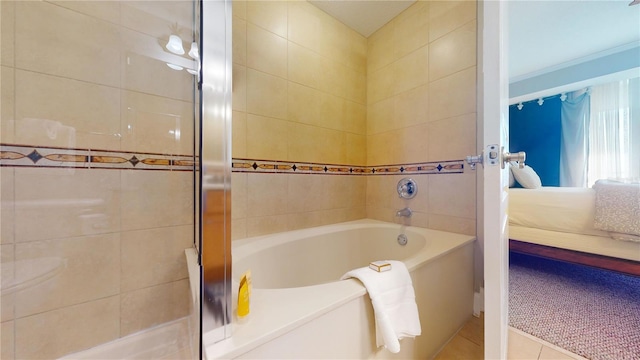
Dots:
pixel 406 212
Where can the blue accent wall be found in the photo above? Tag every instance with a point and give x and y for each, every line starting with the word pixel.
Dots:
pixel 536 129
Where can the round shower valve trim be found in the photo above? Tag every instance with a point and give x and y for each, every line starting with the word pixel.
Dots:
pixel 407 188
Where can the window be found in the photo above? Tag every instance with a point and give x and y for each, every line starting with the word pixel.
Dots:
pixel 614 132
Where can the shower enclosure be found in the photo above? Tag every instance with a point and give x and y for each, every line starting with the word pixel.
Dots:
pixel 100 174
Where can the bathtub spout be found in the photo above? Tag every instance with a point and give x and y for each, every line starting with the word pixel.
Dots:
pixel 406 212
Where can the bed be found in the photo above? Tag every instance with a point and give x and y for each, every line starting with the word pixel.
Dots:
pixel 558 222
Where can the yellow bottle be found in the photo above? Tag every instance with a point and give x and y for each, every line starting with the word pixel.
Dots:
pixel 244 295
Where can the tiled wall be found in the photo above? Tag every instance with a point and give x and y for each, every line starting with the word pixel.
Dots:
pixel 299 95
pixel 302 83
pixel 421 103
pixel 97 151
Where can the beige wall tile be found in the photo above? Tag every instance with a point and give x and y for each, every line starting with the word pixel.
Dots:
pixel 357 86
pixel 354 46
pixel 59 332
pixel 308 193
pixel 355 118
pixel 380 48
pixel 269 15
pixel 7 339
pixel 356 152
pixel 452 224
pixel 381 116
pixel 67 43
pixel 146 74
pixel 239 198
pixel 305 26
pixel 267 194
pixel 332 112
pixel 262 225
pixel 266 51
pixel 82 268
pixel 144 192
pixel 238 228
pixel 60 203
pixel 7 209
pixel 104 10
pixel 453 52
pixel 304 104
pixel 154 256
pixel 445 16
pixel 239 95
pixel 382 192
pixel 266 95
pixel 411 29
pixel 141 309
pixel 358 200
pixel 381 84
pixel 239 41
pixel 54 111
pixel 7 108
pixel 413 144
pixel 453 195
pixel 7 292
pixel 453 138
pixel 304 66
pixel 412 107
pixel 333 77
pixel 377 151
pixel 318 218
pixel 156 124
pixel 411 71
pixel 239 134
pixel 380 213
pixel 453 95
pixel 159 19
pixel 315 144
pixel 266 138
pixel 240 9
pixel 7 33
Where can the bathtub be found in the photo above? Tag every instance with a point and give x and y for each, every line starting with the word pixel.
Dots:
pixel 300 308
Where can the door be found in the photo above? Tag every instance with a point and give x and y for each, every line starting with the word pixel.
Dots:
pixel 494 122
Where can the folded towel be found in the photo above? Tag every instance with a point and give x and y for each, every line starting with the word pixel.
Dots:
pixel 394 303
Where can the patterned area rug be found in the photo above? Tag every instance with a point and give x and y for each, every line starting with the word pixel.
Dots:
pixel 590 312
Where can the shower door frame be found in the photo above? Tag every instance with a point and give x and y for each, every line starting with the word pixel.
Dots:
pixel 215 171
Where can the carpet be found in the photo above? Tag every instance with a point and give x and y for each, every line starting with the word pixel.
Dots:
pixel 590 312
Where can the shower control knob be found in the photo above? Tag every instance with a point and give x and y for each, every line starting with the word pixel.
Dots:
pixel 407 188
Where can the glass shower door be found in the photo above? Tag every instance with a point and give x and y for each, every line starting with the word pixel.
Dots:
pixel 97 175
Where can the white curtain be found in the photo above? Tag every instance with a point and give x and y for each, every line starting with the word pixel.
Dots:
pixel 614 132
pixel 574 141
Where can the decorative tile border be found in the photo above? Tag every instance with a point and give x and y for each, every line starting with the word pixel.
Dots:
pixel 284 167
pixel 47 157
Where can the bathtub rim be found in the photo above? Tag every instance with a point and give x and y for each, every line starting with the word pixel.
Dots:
pixel 269 320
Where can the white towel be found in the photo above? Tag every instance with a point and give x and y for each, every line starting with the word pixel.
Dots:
pixel 394 303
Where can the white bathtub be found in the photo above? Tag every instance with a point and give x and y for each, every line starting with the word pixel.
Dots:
pixel 299 308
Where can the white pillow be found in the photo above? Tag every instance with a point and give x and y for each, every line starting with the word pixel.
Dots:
pixel 512 180
pixel 526 177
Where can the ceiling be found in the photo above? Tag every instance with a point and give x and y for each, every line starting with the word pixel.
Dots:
pixel 363 16
pixel 542 34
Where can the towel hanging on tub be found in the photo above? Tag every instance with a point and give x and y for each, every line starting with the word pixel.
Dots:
pixel 394 304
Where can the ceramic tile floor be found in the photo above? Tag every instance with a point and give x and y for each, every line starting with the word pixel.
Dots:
pixel 468 344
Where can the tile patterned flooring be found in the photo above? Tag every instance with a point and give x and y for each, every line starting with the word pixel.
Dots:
pixel 468 344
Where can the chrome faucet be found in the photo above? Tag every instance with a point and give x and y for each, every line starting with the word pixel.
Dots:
pixel 406 212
